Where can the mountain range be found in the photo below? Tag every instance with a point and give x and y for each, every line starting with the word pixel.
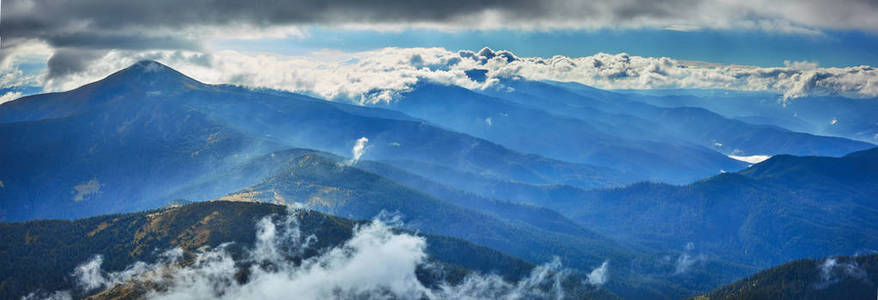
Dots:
pixel 637 195
pixel 822 115
pixel 784 208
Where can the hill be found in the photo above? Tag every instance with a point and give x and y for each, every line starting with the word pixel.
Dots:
pixel 698 124
pixel 830 278
pixel 42 254
pixel 320 182
pixel 830 115
pixel 532 129
pixel 146 132
pixel 674 145
pixel 782 209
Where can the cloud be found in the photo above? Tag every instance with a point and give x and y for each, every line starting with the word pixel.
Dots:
pixel 59 295
pixel 103 18
pixel 753 159
pixel 598 276
pixel 89 275
pixel 14 55
pixel 68 61
pixel 9 96
pixel 686 260
pixel 358 150
pixel 376 262
pixel 85 189
pixel 382 75
pixel 478 286
pixel 832 271
pixel 622 71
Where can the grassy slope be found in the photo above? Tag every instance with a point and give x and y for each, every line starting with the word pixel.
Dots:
pixel 44 253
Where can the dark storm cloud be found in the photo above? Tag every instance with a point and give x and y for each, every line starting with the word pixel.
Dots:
pixel 83 27
pixel 120 41
pixel 48 18
pixel 114 14
pixel 69 61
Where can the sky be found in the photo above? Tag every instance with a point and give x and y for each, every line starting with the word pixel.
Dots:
pixel 759 48
pixel 793 48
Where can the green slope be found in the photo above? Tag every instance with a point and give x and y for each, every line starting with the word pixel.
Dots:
pixel 782 209
pixel 831 278
pixel 42 254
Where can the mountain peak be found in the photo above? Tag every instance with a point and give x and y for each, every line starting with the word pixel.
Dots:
pixel 153 75
pixel 149 66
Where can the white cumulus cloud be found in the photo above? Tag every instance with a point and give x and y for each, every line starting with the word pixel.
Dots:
pixel 598 276
pixel 381 75
pixel 376 262
pixel 9 96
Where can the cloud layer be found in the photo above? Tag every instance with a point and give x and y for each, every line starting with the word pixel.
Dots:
pixel 375 263
pixel 381 75
pixel 84 31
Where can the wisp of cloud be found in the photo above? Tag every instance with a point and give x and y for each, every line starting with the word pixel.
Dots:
pixel 375 262
pixel 358 150
pixel 832 271
pixel 598 276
